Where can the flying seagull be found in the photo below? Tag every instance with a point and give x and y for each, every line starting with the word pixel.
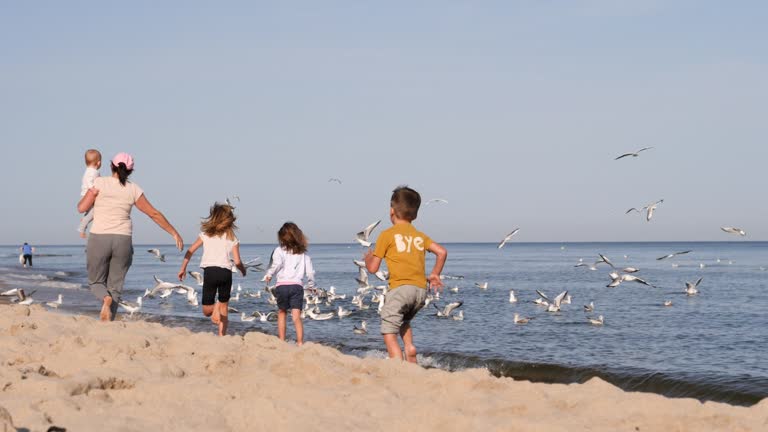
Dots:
pixel 673 255
pixel 732 230
pixel 157 254
pixel 437 201
pixel 650 208
pixel 334 180
pixel 363 237
pixel 635 154
pixel 508 238
pixel 691 289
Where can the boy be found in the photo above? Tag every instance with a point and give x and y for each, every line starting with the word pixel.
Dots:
pixel 403 247
pixel 92 166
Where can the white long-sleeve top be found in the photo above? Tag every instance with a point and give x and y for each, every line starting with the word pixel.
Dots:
pixel 89 176
pixel 291 269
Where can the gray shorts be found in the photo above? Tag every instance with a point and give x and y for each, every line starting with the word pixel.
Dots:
pixel 400 306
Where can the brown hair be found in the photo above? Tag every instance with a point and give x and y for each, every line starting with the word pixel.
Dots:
pixel 220 221
pixel 405 202
pixel 92 156
pixel 292 239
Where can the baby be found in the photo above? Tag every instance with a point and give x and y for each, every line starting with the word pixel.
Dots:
pixel 92 166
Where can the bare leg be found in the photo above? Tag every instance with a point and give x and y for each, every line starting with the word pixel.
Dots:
pixel 223 318
pixel 393 347
pixel 296 315
pixel 106 309
pixel 410 349
pixel 281 315
pixel 215 314
pixel 208 310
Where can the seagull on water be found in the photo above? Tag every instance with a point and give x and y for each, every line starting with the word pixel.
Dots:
pixel 482 286
pixel 55 304
pixel 633 154
pixel 598 322
pixel 590 307
pixel 507 238
pixel 733 230
pixel 667 303
pixel 520 320
pixel 363 329
pixel 454 289
pixel 512 298
pixel 244 318
pixel 264 317
pixel 691 289
pixel 157 254
pixel 317 316
pixel 343 313
pixel 363 237
pixel 674 254
pixel 459 316
pixel 446 311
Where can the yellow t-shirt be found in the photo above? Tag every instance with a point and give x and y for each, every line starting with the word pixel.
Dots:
pixel 404 248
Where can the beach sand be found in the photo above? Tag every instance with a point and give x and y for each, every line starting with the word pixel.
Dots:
pixel 83 375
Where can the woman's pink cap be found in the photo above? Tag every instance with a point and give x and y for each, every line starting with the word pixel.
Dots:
pixel 123 158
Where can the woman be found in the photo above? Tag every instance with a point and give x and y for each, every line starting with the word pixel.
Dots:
pixel 110 246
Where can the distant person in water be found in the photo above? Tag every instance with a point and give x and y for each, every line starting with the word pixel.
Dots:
pixel 110 244
pixel 26 252
pixel 220 248
pixel 92 166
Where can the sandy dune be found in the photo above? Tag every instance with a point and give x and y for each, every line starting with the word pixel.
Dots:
pixel 74 372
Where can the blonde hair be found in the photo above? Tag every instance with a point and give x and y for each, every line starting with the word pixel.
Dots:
pixel 221 220
pixel 292 239
pixel 92 156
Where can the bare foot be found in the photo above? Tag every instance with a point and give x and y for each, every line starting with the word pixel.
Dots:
pixel 106 312
pixel 216 315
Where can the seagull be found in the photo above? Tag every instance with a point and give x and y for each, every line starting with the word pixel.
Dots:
pixel 160 287
pixel 446 311
pixel 343 313
pixel 732 230
pixel 243 318
pixel 605 259
pixel 482 286
pixel 198 277
pixel 436 200
pixel 674 254
pixel 363 329
pixel 232 309
pixel 334 180
pixel 55 304
pixel 229 202
pixel 382 275
pixel 519 320
pixel 363 237
pixel 264 317
pixel 235 297
pixel 555 307
pixel 317 316
pixel 512 298
pixel 459 316
pixel 131 307
pixel 590 307
pixel 157 254
pixel 10 292
pixel 630 270
pixel 650 208
pixel 444 277
pixel 507 238
pixel 592 267
pixel 454 289
pixel 667 303
pixel 598 322
pixel 691 289
pixel 635 154
pixel 359 263
pixel 617 279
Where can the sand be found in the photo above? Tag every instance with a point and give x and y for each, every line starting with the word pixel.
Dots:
pixel 83 375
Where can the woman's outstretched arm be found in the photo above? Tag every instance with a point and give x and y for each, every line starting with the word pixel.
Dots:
pixel 143 204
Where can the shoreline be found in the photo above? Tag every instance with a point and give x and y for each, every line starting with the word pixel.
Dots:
pixel 67 370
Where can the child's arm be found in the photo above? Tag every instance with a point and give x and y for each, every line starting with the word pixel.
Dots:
pixel 274 264
pixel 188 256
pixel 236 257
pixel 86 202
pixel 441 255
pixel 372 262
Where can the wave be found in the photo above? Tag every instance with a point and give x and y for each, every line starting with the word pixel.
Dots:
pixel 27 277
pixel 60 284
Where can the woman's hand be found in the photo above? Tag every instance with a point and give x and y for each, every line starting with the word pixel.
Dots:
pixel 179 241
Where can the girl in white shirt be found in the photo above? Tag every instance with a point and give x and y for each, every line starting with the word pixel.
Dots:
pixel 291 264
pixel 219 242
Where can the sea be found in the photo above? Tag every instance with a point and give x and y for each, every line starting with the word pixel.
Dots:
pixel 712 346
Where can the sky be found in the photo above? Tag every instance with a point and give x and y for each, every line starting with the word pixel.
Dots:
pixel 513 111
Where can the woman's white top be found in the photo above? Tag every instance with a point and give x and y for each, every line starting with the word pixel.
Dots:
pixel 290 268
pixel 217 251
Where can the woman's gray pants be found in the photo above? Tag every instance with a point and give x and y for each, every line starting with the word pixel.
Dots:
pixel 109 258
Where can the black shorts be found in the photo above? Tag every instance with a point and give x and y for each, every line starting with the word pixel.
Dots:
pixel 290 297
pixel 216 279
